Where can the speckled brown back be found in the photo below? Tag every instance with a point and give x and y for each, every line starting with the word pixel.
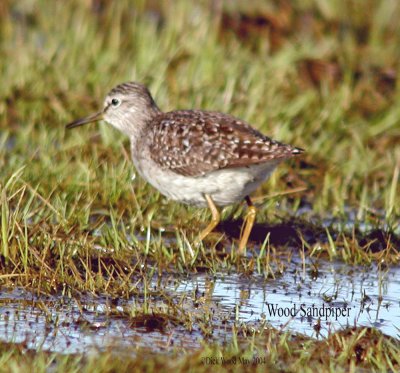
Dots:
pixel 195 142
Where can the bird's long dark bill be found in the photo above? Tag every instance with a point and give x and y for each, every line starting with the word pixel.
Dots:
pixel 91 118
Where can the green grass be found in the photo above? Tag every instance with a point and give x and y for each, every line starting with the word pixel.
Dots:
pixel 349 350
pixel 64 194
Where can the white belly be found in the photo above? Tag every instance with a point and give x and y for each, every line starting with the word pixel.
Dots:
pixel 226 187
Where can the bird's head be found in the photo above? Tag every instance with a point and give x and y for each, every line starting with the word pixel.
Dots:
pixel 127 107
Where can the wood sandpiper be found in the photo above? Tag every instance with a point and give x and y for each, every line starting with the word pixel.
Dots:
pixel 197 157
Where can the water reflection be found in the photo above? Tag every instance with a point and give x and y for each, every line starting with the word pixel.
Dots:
pixel 303 300
pixel 337 297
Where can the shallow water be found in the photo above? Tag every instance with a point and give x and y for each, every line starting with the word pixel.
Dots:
pixel 66 325
pixel 365 296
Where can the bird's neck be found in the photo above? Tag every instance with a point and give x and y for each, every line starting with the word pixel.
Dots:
pixel 134 122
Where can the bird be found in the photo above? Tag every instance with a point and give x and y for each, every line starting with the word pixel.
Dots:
pixel 197 157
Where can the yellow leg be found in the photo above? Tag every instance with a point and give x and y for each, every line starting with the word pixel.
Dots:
pixel 249 222
pixel 214 220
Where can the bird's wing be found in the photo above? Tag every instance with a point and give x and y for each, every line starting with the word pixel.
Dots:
pixel 193 143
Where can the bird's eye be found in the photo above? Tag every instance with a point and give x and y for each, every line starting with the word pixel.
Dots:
pixel 115 102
